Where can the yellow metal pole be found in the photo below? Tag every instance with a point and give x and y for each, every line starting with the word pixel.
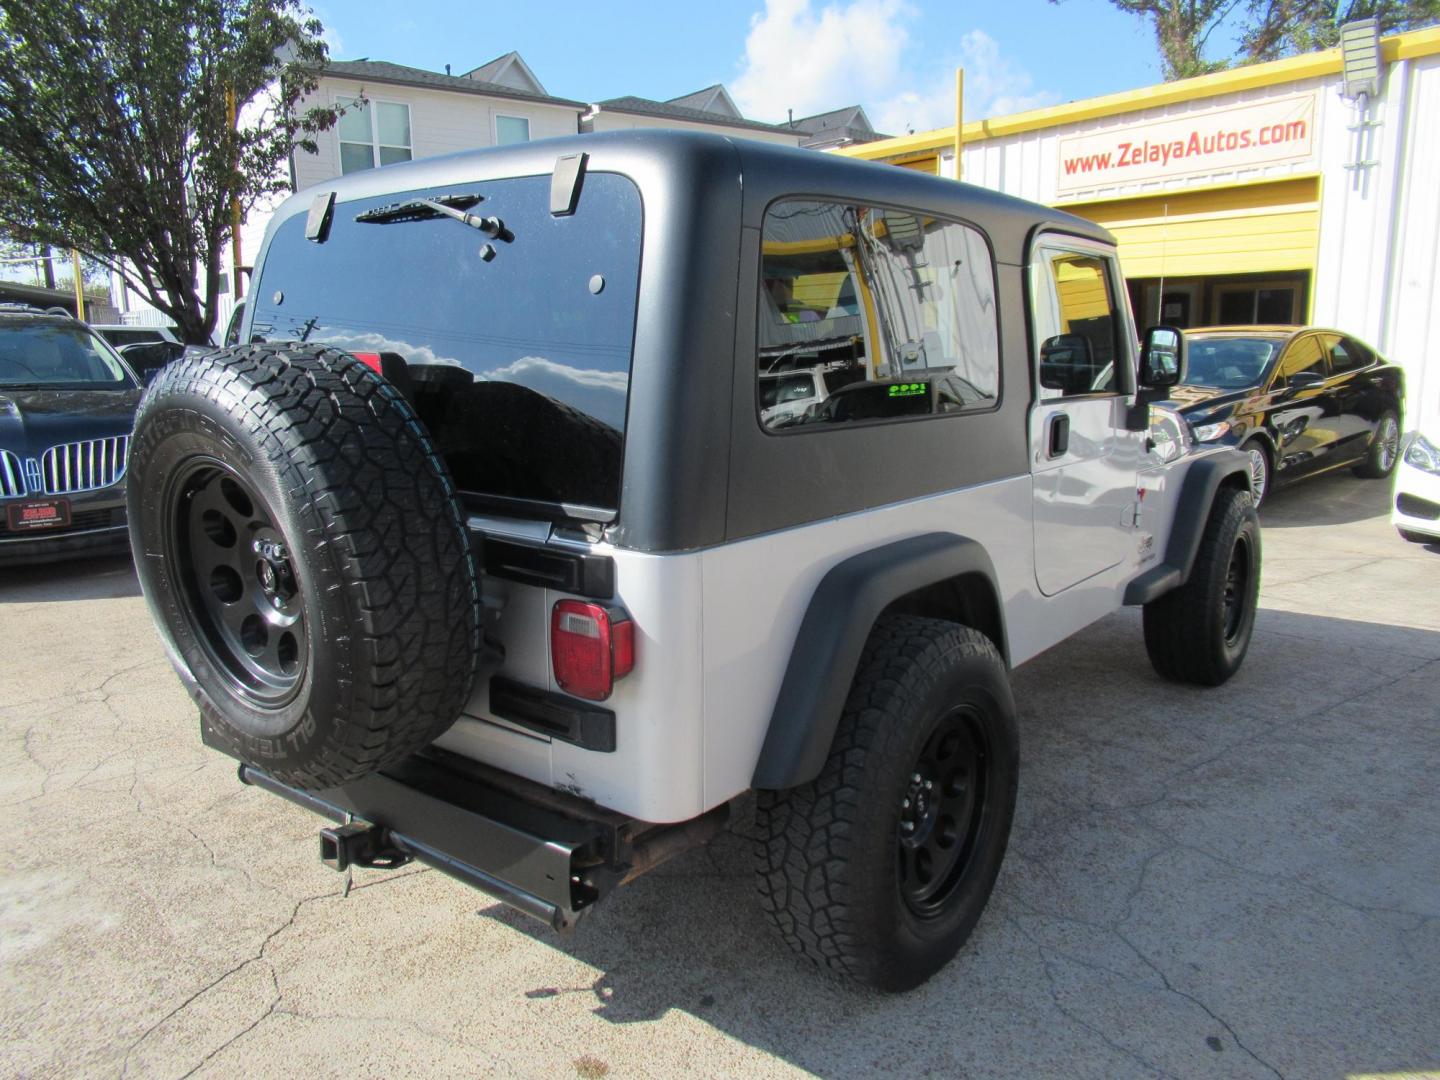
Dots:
pixel 234 210
pixel 959 117
pixel 79 285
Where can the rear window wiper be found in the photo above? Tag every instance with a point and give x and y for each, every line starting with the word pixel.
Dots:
pixel 455 206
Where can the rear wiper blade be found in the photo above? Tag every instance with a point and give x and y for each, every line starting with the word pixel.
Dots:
pixel 454 206
pixel 419 209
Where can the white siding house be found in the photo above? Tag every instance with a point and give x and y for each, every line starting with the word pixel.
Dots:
pixel 411 113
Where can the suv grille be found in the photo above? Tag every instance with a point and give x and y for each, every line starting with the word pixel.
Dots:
pixel 12 480
pixel 84 466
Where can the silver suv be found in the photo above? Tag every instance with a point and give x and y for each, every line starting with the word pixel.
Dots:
pixel 488 545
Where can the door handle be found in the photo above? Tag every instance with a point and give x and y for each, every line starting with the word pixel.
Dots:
pixel 1059 435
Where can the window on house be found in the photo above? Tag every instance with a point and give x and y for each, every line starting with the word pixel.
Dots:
pixel 373 133
pixel 511 129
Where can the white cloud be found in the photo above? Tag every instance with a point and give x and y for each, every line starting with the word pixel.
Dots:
pixel 798 59
pixel 528 367
pixel 809 60
pixel 329 34
pixel 994 86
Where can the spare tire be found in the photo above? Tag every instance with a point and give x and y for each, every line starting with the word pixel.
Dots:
pixel 302 550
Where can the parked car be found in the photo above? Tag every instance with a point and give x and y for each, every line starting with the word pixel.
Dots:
pixel 1416 511
pixel 491 556
pixel 120 334
pixel 232 328
pixel 67 404
pixel 1296 401
pixel 789 394
pixel 148 357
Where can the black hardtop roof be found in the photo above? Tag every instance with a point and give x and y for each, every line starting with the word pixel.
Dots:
pixel 674 165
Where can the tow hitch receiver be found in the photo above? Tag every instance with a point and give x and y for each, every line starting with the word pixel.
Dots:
pixel 344 846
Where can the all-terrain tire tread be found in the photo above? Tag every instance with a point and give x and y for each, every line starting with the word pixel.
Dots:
pixel 1178 626
pixel 366 480
pixel 804 835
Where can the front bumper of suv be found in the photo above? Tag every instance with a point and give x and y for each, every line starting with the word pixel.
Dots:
pixel 97 527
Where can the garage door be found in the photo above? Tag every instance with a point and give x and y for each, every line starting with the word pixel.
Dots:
pixel 1252 229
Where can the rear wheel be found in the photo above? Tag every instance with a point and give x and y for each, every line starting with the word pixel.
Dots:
pixel 304 555
pixel 879 869
pixel 1384 452
pixel 1200 632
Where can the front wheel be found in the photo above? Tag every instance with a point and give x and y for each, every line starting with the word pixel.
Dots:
pixel 1384 452
pixel 1200 632
pixel 878 870
pixel 1259 470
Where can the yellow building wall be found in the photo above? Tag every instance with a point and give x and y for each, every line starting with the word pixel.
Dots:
pixel 1250 229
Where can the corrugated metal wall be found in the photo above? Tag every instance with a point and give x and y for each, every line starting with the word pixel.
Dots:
pixel 1256 228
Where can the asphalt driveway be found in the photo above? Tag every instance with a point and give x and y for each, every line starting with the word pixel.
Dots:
pixel 1233 883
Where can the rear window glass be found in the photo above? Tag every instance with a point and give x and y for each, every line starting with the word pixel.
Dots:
pixel 519 364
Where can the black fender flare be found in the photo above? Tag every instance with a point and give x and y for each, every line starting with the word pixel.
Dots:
pixel 1203 479
pixel 842 611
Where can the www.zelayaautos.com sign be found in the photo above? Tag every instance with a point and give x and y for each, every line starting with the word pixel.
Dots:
pixel 1200 141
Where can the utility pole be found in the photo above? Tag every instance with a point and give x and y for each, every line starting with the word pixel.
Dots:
pixel 79 285
pixel 234 210
pixel 46 268
pixel 959 118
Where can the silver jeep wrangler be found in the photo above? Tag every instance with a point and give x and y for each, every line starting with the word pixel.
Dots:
pixel 504 541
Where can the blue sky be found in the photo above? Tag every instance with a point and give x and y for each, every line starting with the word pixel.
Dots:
pixel 896 57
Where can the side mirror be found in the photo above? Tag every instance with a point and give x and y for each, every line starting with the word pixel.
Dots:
pixel 1067 363
pixel 1162 358
pixel 1302 380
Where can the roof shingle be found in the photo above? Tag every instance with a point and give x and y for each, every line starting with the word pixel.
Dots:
pixel 399 75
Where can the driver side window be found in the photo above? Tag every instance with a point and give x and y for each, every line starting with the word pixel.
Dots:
pixel 1077 325
pixel 1304 356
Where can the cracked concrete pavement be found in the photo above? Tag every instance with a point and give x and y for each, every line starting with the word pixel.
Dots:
pixel 1242 882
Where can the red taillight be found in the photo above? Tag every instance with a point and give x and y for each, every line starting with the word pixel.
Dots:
pixel 370 360
pixel 589 649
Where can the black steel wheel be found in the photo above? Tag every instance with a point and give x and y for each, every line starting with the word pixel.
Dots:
pixel 878 870
pixel 1238 593
pixel 1199 633
pixel 240 591
pixel 941 812
pixel 304 555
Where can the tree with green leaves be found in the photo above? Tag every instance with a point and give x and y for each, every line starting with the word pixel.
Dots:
pixel 118 134
pixel 1262 29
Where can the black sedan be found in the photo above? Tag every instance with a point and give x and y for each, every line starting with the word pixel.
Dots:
pixel 1297 400
pixel 67 405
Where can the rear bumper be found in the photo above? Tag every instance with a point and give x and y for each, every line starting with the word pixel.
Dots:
pixel 539 861
pixel 540 851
